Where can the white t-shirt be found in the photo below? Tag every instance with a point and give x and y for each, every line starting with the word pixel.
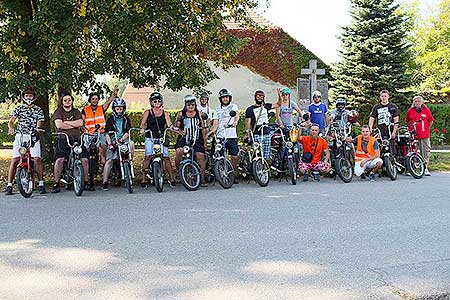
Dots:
pixel 206 109
pixel 223 115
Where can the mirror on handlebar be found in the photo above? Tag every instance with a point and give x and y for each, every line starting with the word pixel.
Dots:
pixel 233 113
pixel 305 117
pixel 271 115
pixel 204 116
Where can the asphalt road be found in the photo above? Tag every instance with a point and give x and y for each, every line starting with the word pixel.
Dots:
pixel 326 240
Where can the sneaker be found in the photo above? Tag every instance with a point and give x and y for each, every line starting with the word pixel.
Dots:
pixel 371 176
pixel 143 185
pixel 55 188
pixel 89 187
pixel 427 173
pixel 363 176
pixel 306 177
pixel 204 184
pixel 8 190
pixel 316 176
pixel 105 186
pixel 172 183
pixel 42 190
pixel 235 181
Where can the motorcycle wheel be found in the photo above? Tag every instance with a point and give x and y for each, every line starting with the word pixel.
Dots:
pixel 391 169
pixel 260 170
pixel 224 173
pixel 25 182
pixel 415 165
pixel 190 175
pixel 78 178
pixel 127 177
pixel 292 170
pixel 344 169
pixel 158 176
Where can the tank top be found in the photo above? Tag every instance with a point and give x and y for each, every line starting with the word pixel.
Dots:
pixel 153 122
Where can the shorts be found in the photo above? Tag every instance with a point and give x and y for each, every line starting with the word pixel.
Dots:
pixel 35 151
pixel 102 139
pixel 368 165
pixel 149 142
pixel 62 150
pixel 265 140
pixel 232 147
pixel 199 146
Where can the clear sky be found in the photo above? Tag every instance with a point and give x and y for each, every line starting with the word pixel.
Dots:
pixel 317 23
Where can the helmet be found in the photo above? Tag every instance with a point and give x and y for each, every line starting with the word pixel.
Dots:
pixel 340 102
pixel 353 116
pixel 155 96
pixel 116 103
pixel 225 93
pixel 189 99
pixel 28 90
pixel 317 94
pixel 260 92
pixel 204 95
pixel 286 90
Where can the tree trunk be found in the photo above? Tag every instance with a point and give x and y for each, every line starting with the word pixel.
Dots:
pixel 46 137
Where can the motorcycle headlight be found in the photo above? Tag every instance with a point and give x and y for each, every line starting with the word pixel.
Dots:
pixel 209 140
pixel 219 147
pixel 289 144
pixel 385 143
pixel 186 149
pixel 157 148
pixel 77 150
pixel 22 150
pixel 255 145
pixel 123 148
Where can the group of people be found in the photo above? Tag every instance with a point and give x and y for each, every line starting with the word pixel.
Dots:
pixel 199 120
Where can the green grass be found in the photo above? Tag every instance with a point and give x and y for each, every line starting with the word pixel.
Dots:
pixel 439 162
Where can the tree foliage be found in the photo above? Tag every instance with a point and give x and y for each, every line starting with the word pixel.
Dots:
pixel 432 49
pixel 374 55
pixel 65 43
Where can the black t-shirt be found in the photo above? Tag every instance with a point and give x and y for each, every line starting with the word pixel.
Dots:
pixel 384 115
pixel 252 112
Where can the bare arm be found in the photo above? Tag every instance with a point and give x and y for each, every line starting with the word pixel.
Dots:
pixel 236 119
pixel 60 124
pixel 215 125
pixel 327 155
pixel 168 120
pixel 111 98
pixel 248 123
pixel 371 121
pixel 11 122
pixel 396 120
pixel 144 121
pixel 277 114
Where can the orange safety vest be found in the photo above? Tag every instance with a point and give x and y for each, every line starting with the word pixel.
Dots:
pixel 360 154
pixel 92 119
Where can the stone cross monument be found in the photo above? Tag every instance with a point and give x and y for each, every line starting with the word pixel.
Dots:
pixel 306 87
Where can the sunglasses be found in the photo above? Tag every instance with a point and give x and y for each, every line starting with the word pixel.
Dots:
pixel 317 97
pixel 190 104
pixel 156 101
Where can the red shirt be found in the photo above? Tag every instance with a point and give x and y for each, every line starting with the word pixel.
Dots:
pixel 309 145
pixel 424 118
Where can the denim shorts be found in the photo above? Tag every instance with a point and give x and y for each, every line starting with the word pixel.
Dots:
pixel 149 142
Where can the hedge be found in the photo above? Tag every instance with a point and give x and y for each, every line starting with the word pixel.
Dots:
pixel 441 113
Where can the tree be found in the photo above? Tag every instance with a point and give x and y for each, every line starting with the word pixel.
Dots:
pixel 374 55
pixel 432 49
pixel 63 44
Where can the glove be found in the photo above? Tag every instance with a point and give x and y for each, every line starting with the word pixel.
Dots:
pixel 112 147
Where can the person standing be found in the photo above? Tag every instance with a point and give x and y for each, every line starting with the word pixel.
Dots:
pixel 205 108
pixel 387 116
pixel 94 114
pixel 68 120
pixel 318 112
pixel 256 116
pixel 225 125
pixel 28 117
pixel 285 112
pixel 420 119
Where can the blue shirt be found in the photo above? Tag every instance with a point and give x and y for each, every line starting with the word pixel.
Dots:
pixel 119 126
pixel 318 114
